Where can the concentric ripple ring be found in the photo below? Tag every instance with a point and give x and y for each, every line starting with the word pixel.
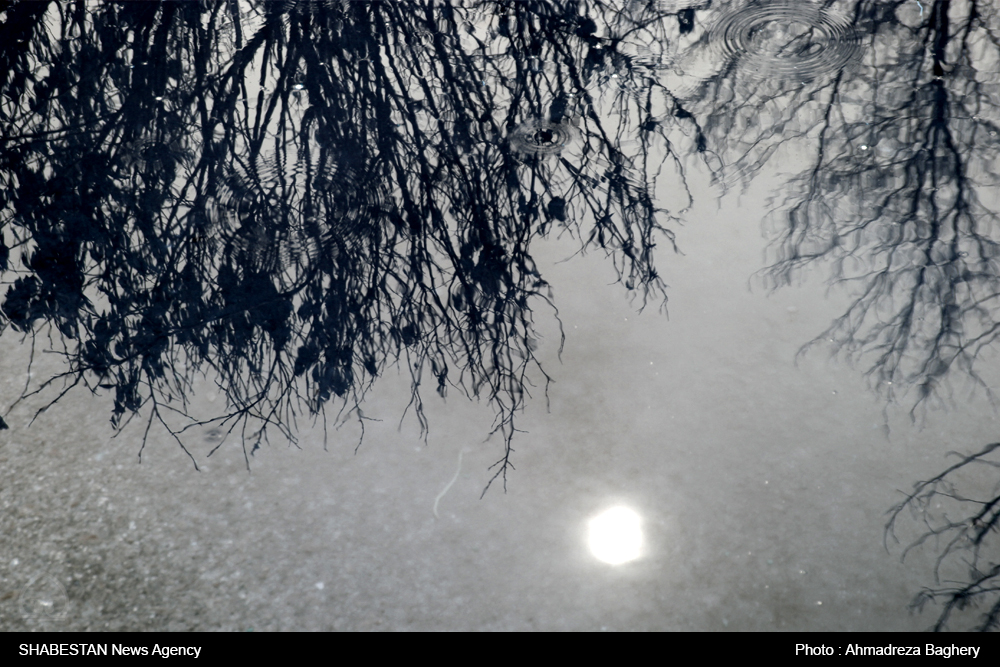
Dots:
pixel 787 39
pixel 542 137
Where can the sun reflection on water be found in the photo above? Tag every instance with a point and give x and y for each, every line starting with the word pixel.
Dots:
pixel 615 536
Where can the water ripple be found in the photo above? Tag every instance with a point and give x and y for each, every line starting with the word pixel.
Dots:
pixel 794 40
pixel 542 137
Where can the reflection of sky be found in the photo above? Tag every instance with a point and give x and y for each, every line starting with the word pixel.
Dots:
pixel 777 476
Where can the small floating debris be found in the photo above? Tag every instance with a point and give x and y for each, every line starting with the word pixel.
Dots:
pixel 542 137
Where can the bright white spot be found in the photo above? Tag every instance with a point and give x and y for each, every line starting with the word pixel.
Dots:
pixel 616 536
pixel 319 585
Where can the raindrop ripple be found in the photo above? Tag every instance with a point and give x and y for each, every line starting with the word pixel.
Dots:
pixel 542 137
pixel 795 40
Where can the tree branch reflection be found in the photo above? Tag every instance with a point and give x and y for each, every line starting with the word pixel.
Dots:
pixel 289 197
pixel 894 168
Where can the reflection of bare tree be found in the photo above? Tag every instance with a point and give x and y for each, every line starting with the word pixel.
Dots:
pixel 293 198
pixel 751 75
pixel 892 160
pixel 885 116
pixel 892 199
pixel 963 527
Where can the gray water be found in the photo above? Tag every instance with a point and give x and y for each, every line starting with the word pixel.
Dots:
pixel 761 469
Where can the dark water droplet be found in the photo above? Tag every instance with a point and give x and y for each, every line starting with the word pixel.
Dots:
pixel 585 26
pixel 557 209
pixel 797 40
pixel 542 137
pixel 685 19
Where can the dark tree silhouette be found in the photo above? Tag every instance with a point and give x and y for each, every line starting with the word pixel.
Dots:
pixel 893 199
pixel 287 197
pixel 961 518
pixel 885 119
pixel 892 113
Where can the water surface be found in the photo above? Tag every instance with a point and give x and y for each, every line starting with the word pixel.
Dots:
pixel 391 300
